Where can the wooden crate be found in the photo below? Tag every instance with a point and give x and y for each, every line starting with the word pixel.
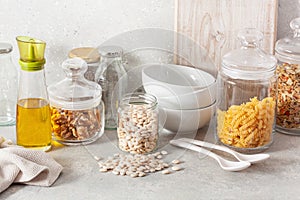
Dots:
pixel 213 24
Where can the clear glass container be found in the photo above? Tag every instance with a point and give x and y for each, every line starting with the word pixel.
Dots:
pixel 108 75
pixel 138 123
pixel 287 51
pixel 77 112
pixel 245 108
pixel 91 56
pixel 8 86
pixel 33 126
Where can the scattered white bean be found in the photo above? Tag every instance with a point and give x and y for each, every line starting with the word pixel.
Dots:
pixel 176 161
pixel 157 154
pixel 133 175
pixel 158 168
pixel 166 171
pixel 104 169
pixel 166 165
pixel 176 168
pixel 142 174
pixel 115 172
pixel 4 142
pixel 152 170
pixel 164 152
pixel 128 173
pixel 123 172
pixel 97 158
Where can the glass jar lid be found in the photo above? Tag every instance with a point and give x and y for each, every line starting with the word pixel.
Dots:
pixel 5 48
pixel 75 92
pixel 111 51
pixel 249 61
pixel 288 48
pixel 89 54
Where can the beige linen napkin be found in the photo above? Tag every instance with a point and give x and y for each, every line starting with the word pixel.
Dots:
pixel 21 165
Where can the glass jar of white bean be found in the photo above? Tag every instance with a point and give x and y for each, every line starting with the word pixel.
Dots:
pixel 138 123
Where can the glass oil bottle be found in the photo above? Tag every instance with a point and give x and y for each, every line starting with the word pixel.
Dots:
pixel 33 125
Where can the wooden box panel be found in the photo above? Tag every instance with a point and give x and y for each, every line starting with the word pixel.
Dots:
pixel 213 24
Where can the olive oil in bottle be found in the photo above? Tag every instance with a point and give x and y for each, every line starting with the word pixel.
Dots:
pixel 33 123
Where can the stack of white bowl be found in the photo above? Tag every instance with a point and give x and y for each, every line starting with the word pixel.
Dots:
pixel 186 96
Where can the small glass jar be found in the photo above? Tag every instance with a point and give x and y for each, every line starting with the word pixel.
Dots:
pixel 138 123
pixel 8 86
pixel 111 75
pixel 245 108
pixel 77 112
pixel 287 51
pixel 91 56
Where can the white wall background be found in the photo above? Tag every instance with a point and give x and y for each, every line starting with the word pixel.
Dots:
pixel 287 10
pixel 66 24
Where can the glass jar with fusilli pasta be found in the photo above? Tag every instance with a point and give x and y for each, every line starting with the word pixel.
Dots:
pixel 245 108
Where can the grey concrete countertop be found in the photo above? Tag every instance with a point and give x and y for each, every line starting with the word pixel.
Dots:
pixel 202 178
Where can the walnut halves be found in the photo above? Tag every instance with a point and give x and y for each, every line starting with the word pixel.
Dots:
pixel 77 125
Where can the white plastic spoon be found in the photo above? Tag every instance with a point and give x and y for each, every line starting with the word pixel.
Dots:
pixel 225 164
pixel 254 158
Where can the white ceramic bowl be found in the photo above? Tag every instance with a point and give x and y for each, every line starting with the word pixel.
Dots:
pixel 198 99
pixel 188 120
pixel 179 87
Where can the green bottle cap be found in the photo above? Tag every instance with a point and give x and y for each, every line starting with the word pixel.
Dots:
pixel 31 53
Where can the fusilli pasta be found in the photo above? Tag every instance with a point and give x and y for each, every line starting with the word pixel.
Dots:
pixel 248 125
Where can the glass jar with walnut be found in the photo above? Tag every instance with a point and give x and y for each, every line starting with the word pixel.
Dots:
pixel 77 112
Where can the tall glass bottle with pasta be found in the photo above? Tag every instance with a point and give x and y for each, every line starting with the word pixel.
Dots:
pixel 33 125
pixel 245 108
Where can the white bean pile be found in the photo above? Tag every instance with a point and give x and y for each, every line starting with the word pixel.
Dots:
pixel 138 129
pixel 4 142
pixel 137 165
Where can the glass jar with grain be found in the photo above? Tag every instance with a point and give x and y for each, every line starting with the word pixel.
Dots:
pixel 287 51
